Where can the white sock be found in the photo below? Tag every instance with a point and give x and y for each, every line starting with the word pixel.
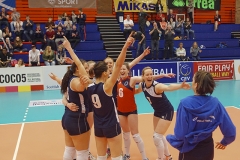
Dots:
pixel 140 145
pixel 101 157
pixel 82 155
pixel 117 158
pixel 127 142
pixel 69 153
pixel 158 141
pixel 166 150
pixel 75 155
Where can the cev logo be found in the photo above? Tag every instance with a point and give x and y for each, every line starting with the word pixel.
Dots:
pixel 185 71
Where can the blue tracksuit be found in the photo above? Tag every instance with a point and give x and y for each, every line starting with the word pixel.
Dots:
pixel 197 118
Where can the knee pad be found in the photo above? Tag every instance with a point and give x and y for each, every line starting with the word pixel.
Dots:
pixel 137 138
pixel 101 157
pixel 158 140
pixel 126 135
pixel 82 155
pixel 69 153
pixel 117 158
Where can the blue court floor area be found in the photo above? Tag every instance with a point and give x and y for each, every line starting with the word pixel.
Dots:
pixel 14 107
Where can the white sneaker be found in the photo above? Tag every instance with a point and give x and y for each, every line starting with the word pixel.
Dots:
pixel 91 157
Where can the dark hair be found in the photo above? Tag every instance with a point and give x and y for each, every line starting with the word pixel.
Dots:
pixel 67 77
pixel 99 68
pixel 205 83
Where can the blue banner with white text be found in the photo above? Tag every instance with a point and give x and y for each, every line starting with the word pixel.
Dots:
pixel 185 71
pixel 158 68
pixel 8 4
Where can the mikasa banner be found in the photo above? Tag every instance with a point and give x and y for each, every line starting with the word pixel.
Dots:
pixel 62 3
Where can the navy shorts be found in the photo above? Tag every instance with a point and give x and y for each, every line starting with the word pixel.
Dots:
pixel 166 114
pixel 75 125
pixel 127 113
pixel 110 132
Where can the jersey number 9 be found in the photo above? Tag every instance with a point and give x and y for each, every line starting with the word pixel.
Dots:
pixel 96 101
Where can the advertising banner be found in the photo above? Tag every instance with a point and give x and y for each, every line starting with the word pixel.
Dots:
pixel 158 68
pixel 59 71
pixel 21 76
pixel 220 70
pixel 134 6
pixel 185 71
pixel 237 69
pixel 199 4
pixel 62 4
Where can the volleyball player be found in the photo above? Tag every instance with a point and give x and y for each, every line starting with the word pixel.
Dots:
pixel 75 125
pixel 163 109
pixel 197 117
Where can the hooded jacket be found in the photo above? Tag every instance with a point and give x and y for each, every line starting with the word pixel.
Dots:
pixel 197 118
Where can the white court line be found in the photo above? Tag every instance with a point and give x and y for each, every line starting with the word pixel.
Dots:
pixel 18 142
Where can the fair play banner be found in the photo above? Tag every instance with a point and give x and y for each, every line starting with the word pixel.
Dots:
pixel 220 70
pixel 62 4
pixel 237 69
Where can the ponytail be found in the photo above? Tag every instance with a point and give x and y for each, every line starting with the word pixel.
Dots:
pixel 67 77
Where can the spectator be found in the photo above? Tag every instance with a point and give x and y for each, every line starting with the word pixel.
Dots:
pixel 168 46
pixel 179 27
pixel 142 18
pixel 5 58
pixel 181 53
pixel 155 36
pixel 20 63
pixel 82 25
pixel 172 23
pixel 74 17
pixel 217 21
pixel 14 16
pixel 159 6
pixel 61 55
pixel 128 24
pixel 171 15
pixel 18 26
pixel 190 10
pixel 138 35
pixel 18 45
pixel 34 57
pixel 4 18
pixel 6 33
pixel 74 39
pixel 68 27
pixel 49 37
pixel 49 23
pixel 159 17
pixel 195 50
pixel 9 46
pixel 59 36
pixel 187 27
pixel 163 26
pixel 64 16
pixel 39 37
pixel 59 22
pixel 28 28
pixel 49 56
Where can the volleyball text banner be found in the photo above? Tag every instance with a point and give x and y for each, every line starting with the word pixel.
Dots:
pixel 220 70
pixel 62 4
pixel 134 6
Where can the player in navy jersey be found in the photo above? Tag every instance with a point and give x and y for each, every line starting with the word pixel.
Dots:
pixel 106 123
pixel 75 125
pixel 163 109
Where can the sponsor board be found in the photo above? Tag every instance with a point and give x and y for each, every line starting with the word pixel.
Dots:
pixel 185 71
pixel 158 68
pixel 237 69
pixel 41 103
pixel 220 70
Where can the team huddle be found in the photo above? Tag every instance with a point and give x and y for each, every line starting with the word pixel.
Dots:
pixel 102 94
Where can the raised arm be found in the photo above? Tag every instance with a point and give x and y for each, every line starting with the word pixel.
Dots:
pixel 172 87
pixel 55 78
pixel 110 82
pixel 75 58
pixel 139 89
pixel 139 58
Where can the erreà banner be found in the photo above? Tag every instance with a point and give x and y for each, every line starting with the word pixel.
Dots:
pixel 200 4
pixel 135 5
pixel 62 4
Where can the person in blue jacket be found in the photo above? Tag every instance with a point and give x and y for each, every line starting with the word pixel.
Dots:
pixel 197 117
